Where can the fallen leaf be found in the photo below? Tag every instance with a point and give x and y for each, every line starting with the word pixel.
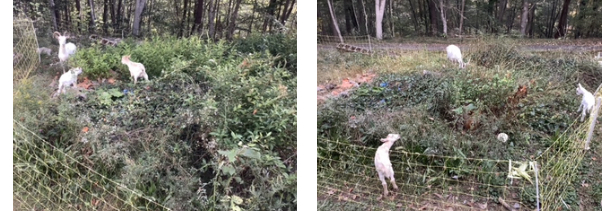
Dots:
pixel 255 111
pixel 85 129
pixel 330 192
pixel 111 80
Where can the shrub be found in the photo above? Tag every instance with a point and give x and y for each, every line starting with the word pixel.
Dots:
pixel 170 140
pixel 281 45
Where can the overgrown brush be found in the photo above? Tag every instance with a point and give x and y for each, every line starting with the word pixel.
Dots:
pixel 212 130
pixel 453 112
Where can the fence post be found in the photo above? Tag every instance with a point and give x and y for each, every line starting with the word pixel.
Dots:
pixel 594 117
pixel 536 173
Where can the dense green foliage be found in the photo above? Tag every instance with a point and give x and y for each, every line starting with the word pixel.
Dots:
pixel 457 113
pixel 214 128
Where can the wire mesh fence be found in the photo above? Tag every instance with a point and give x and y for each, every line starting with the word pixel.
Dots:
pixel 366 44
pixel 561 160
pixel 48 178
pixel 25 45
pixel 427 181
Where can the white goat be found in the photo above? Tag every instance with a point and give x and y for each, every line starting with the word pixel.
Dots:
pixel 68 79
pixel 66 49
pixel 455 55
pixel 137 70
pixel 587 102
pixel 383 163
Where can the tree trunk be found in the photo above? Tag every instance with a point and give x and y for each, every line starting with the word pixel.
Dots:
pixel 350 22
pixel 433 21
pixel 462 16
pixel 138 11
pixel 379 11
pixel 232 25
pixel 423 8
pixel 255 6
pixel 511 20
pixel 278 12
pixel 92 23
pixel 337 31
pixel 365 17
pixel 227 16
pixel 415 23
pixel 563 20
pixel 391 19
pixel 67 17
pixel 119 16
pixel 150 6
pixel 80 18
pixel 524 18
pixel 112 12
pixel 289 6
pixel 198 17
pixel 54 15
pixel 502 7
pixel 129 14
pixel 552 19
pixel 361 17
pixel 531 20
pixel 270 15
pixel 212 19
pixel 443 19
pixel 218 19
pixel 105 17
pixel 184 16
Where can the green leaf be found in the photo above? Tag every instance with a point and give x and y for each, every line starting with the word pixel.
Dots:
pixel 231 155
pixel 237 200
pixel 458 110
pixel 250 153
pixel 470 107
pixel 228 170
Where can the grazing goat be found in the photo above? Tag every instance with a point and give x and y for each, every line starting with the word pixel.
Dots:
pixel 383 163
pixel 587 102
pixel 66 49
pixel 68 79
pixel 137 70
pixel 455 55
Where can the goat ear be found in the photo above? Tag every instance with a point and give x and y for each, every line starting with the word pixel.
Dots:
pixel 384 140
